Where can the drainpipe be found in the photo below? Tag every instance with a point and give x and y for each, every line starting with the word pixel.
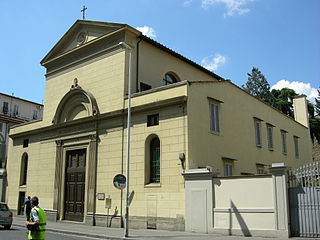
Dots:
pixel 96 171
pixel 137 63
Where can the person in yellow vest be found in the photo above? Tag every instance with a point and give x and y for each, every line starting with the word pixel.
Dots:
pixel 37 223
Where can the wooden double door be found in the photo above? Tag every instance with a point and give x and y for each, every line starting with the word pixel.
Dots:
pixel 75 185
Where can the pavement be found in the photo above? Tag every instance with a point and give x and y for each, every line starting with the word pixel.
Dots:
pixel 80 229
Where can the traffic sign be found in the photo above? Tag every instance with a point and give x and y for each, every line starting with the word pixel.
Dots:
pixel 119 181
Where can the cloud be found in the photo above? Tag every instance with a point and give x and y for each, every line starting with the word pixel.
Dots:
pixel 233 7
pixel 213 62
pixel 298 87
pixel 187 3
pixel 148 31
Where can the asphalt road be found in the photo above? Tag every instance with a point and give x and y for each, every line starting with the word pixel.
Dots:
pixel 17 233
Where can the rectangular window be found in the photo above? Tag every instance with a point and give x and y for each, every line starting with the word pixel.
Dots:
pixel 15 110
pixel 25 143
pixel 5 107
pixel 284 142
pixel 153 120
pixel 260 169
pixel 257 129
pixel 227 169
pixel 246 173
pixel 144 87
pixel 35 115
pixel 214 118
pixel 296 146
pixel 0 127
pixel 270 137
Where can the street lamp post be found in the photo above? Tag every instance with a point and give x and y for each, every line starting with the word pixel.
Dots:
pixel 126 46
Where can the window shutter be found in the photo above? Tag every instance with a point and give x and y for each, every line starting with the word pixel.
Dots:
pixel 296 147
pixel 214 118
pixel 284 144
pixel 258 133
pixel 270 137
pixel 217 129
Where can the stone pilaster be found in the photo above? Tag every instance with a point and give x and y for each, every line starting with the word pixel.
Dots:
pixel 92 176
pixel 58 179
pixel 279 177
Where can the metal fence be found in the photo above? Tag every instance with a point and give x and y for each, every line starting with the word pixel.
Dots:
pixel 304 200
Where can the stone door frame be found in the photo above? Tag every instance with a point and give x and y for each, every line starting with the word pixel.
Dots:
pixel 88 142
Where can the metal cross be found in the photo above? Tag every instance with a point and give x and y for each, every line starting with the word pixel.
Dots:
pixel 83 12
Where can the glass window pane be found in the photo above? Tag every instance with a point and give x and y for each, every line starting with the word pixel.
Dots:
pixel 155 160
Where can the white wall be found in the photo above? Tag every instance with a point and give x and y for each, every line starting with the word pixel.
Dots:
pixel 244 203
pixel 253 205
pixel 25 108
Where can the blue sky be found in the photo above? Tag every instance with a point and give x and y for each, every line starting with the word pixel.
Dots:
pixel 229 37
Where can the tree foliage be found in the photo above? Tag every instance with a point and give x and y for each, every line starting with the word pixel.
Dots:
pixel 317 105
pixel 258 86
pixel 283 100
pixel 314 121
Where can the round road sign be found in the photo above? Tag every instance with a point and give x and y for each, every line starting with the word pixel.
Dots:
pixel 119 181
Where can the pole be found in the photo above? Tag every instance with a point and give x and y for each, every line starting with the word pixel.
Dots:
pixel 126 46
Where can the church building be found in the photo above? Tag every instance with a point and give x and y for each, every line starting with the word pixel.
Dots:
pixel 183 116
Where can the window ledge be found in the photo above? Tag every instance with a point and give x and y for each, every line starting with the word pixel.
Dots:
pixel 152 185
pixel 215 133
pixel 270 149
pixel 259 146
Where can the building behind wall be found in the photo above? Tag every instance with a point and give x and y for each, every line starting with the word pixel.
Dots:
pixel 183 117
pixel 13 110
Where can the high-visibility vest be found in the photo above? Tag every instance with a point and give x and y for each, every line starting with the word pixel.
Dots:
pixel 40 233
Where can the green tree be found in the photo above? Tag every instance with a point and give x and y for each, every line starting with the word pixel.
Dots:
pixel 283 100
pixel 314 121
pixel 317 105
pixel 258 86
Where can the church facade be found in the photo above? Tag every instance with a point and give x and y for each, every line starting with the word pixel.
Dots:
pixel 183 117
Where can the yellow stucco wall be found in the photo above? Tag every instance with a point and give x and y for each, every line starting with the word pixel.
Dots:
pixel 155 63
pixel 169 194
pixel 41 170
pixel 237 133
pixel 102 77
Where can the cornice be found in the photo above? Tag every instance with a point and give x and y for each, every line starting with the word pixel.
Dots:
pixel 101 117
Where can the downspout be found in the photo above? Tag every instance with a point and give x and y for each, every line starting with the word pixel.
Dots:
pixel 137 65
pixel 122 156
pixel 96 170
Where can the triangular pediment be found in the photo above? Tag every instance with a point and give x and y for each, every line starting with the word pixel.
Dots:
pixel 82 32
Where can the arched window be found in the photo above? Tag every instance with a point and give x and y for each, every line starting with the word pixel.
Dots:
pixel 155 160
pixel 169 78
pixel 77 103
pixel 24 169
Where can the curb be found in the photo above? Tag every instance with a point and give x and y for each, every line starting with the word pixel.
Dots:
pixel 78 233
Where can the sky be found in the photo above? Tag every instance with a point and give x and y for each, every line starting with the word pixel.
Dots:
pixel 228 37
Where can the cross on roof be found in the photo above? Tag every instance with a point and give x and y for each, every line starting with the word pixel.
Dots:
pixel 84 12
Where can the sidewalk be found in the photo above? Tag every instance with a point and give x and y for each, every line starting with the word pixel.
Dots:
pixel 81 229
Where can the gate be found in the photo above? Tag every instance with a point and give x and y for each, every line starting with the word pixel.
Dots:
pixel 304 200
